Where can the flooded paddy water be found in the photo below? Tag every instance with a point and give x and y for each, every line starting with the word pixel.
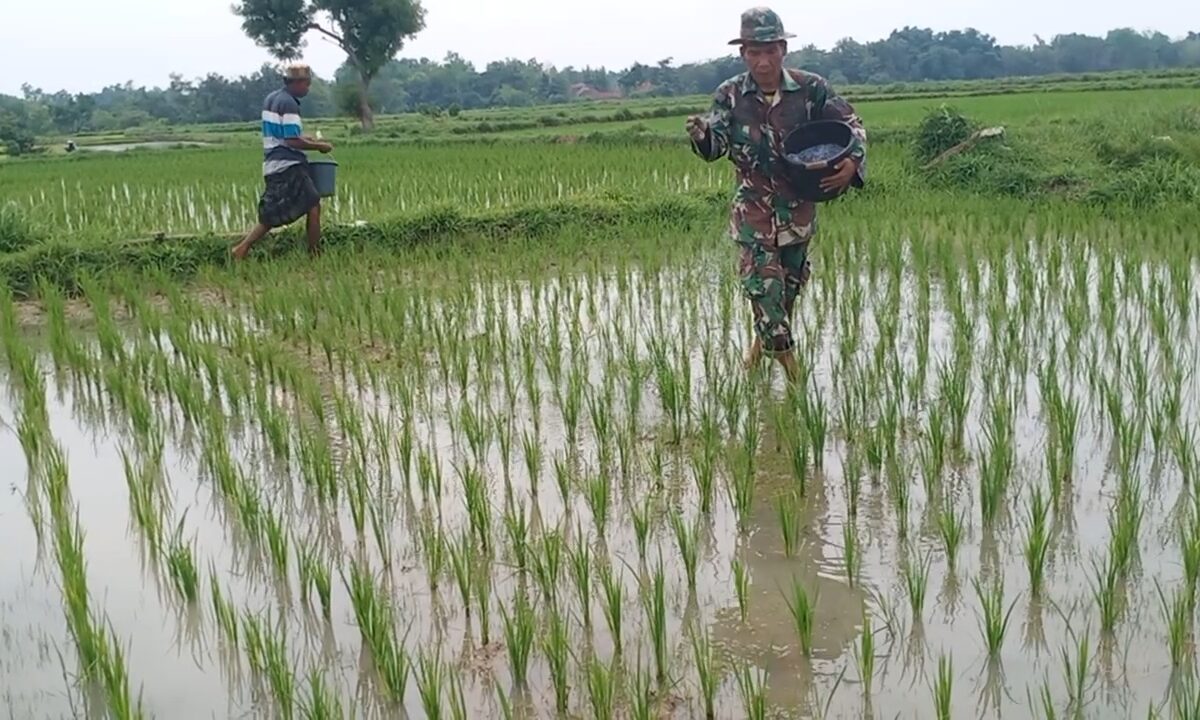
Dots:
pixel 483 482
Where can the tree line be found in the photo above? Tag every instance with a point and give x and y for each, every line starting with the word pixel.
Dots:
pixel 403 85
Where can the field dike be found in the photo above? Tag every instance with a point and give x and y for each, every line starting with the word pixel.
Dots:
pixel 62 263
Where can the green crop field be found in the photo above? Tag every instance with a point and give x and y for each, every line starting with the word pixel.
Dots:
pixel 495 452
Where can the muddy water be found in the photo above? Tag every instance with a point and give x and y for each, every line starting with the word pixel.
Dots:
pixel 183 669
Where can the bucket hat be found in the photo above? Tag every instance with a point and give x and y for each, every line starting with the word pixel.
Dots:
pixel 761 25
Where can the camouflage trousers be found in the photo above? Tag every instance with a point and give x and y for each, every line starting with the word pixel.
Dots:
pixel 771 279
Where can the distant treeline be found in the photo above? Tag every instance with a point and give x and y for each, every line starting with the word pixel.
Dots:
pixel 907 55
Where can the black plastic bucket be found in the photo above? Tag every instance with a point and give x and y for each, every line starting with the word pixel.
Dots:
pixel 805 177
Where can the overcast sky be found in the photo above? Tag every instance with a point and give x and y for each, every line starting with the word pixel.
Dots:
pixel 83 45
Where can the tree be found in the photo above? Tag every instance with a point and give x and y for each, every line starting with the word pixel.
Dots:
pixel 370 32
pixel 15 136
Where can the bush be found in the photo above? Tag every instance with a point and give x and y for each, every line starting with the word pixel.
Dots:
pixel 940 130
pixel 993 168
pixel 1125 154
pixel 17 231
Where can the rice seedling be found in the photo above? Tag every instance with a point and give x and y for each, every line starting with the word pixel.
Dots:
pixel 319 701
pixel 461 556
pixel 1037 541
pixel 641 694
pixel 752 687
pixel 516 524
pixel 613 595
pixel 506 706
pixel 278 541
pixel 602 682
pixel 375 618
pixel 563 475
pixel 1106 592
pixel 1125 522
pixel 951 528
pixel 803 609
pixel 899 492
pixel 181 564
pixel 704 472
pixel 1076 667
pixel 1189 541
pixel 916 583
pixel 740 487
pixel 579 559
pixel 688 542
pixel 115 679
pixel 252 631
pixel 943 687
pixel 741 585
pixel 547 564
pixel 431 676
pixel 654 605
pixel 519 628
pixel 1177 614
pixel 434 550
pixel 864 654
pixel 705 660
pixel 994 619
pixel 532 451
pixel 851 553
pixel 640 515
pixel 478 506
pixel 277 666
pixel 483 601
pixel 599 497
pixel 787 507
pixel 224 612
pixel 556 646
pixel 459 709
pixel 816 422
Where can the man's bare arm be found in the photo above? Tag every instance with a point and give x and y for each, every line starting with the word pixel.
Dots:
pixel 307 143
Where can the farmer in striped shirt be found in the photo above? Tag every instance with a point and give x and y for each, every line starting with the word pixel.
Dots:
pixel 290 193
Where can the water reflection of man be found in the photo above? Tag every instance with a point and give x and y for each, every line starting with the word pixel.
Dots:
pixel 768 639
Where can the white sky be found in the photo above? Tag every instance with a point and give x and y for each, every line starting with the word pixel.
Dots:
pixel 83 45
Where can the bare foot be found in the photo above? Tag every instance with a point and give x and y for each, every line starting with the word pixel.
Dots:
pixel 239 253
pixel 753 355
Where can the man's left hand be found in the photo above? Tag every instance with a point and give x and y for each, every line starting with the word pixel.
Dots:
pixel 840 180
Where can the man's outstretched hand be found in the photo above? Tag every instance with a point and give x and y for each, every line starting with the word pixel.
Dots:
pixel 697 128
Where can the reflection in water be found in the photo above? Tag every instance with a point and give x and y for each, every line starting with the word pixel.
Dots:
pixel 768 639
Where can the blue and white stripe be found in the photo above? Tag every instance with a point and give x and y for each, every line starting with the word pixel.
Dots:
pixel 276 128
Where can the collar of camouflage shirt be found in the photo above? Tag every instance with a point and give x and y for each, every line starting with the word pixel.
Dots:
pixel 750 86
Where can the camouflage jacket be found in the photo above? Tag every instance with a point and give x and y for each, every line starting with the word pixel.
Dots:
pixel 743 126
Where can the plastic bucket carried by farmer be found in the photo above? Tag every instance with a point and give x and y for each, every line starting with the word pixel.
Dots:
pixel 324 175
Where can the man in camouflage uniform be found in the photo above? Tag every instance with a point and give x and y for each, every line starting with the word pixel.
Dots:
pixel 750 116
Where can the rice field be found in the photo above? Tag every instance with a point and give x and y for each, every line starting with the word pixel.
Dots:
pixel 109 198
pixel 533 479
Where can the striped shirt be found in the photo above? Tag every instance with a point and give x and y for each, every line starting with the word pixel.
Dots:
pixel 280 121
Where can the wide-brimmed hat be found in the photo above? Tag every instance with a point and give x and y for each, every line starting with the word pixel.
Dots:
pixel 761 25
pixel 297 71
